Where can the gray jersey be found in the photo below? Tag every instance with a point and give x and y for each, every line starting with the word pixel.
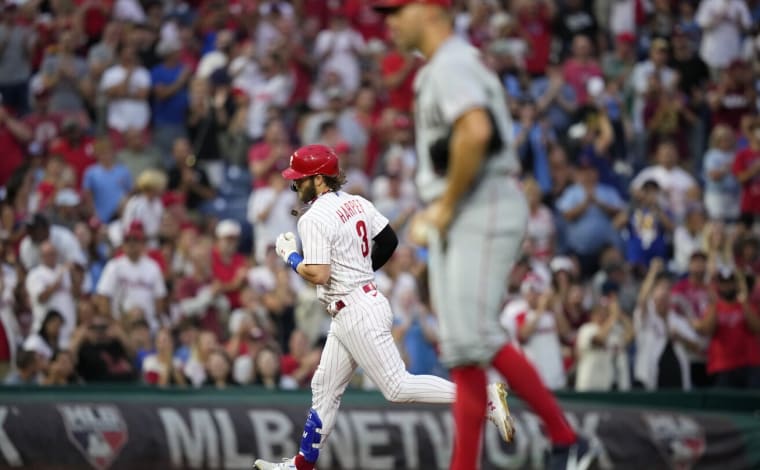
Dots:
pixel 453 82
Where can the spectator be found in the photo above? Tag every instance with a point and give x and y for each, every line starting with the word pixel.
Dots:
pixel 618 64
pixel 398 72
pixel 209 112
pixel 146 207
pixel 394 194
pixel 573 21
pixel 195 367
pixel 45 125
pixel 588 209
pixel 690 237
pixel 162 368
pixel 187 178
pixel 722 191
pixel 233 140
pixel 229 267
pixel 27 371
pixel 46 339
pixel 273 91
pixel 61 72
pixel 102 353
pixel 648 227
pixel 75 147
pixel 723 22
pixel 678 185
pixel 602 363
pixel 693 73
pixel 219 370
pixel 541 230
pixel 14 136
pixel 535 20
pixel 107 183
pixel 581 67
pixel 732 98
pixel 62 239
pixel 247 338
pixel 127 86
pixel 198 297
pixel 269 157
pixel 691 298
pixel 531 321
pixel 18 41
pixel 50 286
pixel 138 155
pixel 267 367
pixel 533 138
pixel 132 280
pixel 641 79
pixel 746 168
pixel 555 98
pixel 269 211
pixel 661 360
pixel 339 49
pixel 301 362
pixel 61 370
pixel 667 116
pixel 170 95
pixel 732 323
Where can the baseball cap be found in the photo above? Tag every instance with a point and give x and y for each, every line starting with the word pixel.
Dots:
pixel 627 38
pixel 227 228
pixel 533 283
pixel 135 230
pixel 725 273
pixel 561 263
pixel 386 6
pixel 67 197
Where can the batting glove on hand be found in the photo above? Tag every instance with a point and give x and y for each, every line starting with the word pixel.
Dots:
pixel 285 245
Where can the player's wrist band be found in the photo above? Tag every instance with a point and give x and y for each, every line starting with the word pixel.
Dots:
pixel 294 260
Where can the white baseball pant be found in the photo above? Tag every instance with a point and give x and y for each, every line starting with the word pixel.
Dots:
pixel 360 334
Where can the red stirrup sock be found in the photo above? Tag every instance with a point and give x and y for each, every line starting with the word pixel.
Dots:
pixel 303 464
pixel 469 411
pixel 524 380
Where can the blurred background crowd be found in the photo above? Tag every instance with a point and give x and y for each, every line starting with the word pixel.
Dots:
pixel 141 143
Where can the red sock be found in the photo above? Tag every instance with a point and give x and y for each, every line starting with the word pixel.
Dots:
pixel 469 414
pixel 523 379
pixel 303 464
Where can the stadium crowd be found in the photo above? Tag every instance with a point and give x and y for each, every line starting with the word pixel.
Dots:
pixel 141 143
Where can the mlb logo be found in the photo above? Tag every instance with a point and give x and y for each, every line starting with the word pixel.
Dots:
pixel 98 432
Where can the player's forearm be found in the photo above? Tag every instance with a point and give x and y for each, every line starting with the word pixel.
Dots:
pixel 318 274
pixel 468 145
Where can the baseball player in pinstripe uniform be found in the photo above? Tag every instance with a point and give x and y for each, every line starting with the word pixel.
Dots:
pixel 345 240
pixel 474 222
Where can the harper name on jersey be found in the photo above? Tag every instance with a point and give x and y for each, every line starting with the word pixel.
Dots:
pixel 348 210
pixel 338 230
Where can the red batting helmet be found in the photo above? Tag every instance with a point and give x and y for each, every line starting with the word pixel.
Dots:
pixel 384 6
pixel 312 160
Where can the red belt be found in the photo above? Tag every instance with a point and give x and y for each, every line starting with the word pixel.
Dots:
pixel 367 288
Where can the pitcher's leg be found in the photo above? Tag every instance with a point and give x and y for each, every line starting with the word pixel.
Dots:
pixel 469 412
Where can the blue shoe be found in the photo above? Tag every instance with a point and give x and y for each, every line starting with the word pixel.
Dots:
pixel 578 456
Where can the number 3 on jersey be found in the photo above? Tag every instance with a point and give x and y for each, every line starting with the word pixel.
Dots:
pixel 361 230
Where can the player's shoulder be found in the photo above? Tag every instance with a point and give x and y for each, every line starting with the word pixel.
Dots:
pixel 456 52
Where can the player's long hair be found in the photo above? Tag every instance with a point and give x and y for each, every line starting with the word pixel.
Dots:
pixel 335 182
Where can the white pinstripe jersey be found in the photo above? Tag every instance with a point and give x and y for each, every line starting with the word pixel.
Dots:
pixel 338 230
